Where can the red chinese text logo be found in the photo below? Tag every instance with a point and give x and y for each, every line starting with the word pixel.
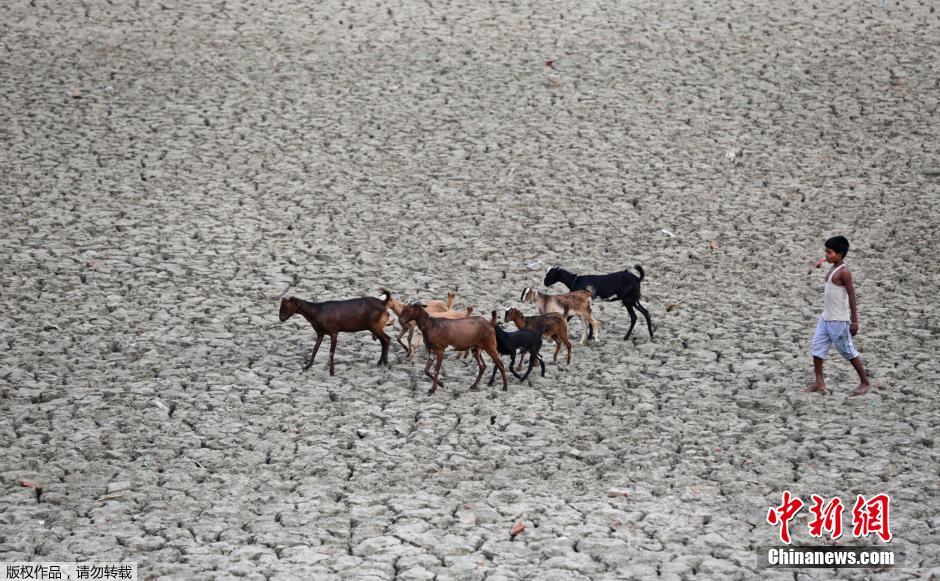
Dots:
pixel 826 517
pixel 871 516
pixel 868 516
pixel 783 514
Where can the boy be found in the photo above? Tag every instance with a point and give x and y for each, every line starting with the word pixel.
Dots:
pixel 839 320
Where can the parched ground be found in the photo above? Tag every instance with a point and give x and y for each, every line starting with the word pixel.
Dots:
pixel 168 171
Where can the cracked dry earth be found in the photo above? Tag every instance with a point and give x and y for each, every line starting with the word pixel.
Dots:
pixel 169 171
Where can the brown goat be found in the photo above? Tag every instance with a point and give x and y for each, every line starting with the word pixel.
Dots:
pixel 567 304
pixel 473 333
pixel 440 310
pixel 553 325
pixel 348 316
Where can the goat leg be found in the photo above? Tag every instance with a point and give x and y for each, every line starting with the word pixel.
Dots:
pixel 476 355
pixel 386 343
pixel 585 331
pixel 332 351
pixel 529 370
pixel 407 348
pixel 541 362
pixel 649 322
pixel 412 341
pixel 492 376
pixel 632 319
pixel 521 363
pixel 314 355
pixel 595 329
pixel 512 366
pixel 437 371
pixel 494 355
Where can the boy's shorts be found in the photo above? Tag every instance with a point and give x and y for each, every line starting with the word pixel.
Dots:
pixel 830 333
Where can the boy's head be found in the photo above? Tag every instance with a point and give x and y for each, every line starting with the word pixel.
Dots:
pixel 838 245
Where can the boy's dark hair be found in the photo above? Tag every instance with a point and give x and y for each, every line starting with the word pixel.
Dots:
pixel 838 244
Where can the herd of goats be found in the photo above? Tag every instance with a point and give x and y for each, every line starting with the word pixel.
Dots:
pixel 442 327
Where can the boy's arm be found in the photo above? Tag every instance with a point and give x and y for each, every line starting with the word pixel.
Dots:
pixel 850 289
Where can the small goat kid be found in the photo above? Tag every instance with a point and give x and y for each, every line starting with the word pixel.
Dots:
pixel 474 333
pixel 621 286
pixel 511 342
pixel 348 316
pixel 552 325
pixel 568 304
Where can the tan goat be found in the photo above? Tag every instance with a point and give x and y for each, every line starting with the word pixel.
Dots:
pixel 568 304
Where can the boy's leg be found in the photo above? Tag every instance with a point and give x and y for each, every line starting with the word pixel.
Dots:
pixel 864 385
pixel 843 343
pixel 820 383
pixel 819 349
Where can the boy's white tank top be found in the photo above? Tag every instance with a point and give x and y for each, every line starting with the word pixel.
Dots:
pixel 835 300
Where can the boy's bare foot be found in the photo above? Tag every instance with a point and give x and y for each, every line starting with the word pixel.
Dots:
pixel 820 387
pixel 862 388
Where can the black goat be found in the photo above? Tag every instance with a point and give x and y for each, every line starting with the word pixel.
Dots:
pixel 331 317
pixel 621 286
pixel 509 343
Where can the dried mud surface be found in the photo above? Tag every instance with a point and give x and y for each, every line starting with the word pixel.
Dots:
pixel 169 171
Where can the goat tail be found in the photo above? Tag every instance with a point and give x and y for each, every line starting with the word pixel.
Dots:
pixel 525 291
pixel 640 270
pixel 388 295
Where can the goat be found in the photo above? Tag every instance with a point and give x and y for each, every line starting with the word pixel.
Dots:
pixel 552 324
pixel 348 316
pixel 441 306
pixel 474 333
pixel 440 310
pixel 510 342
pixel 576 303
pixel 623 286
